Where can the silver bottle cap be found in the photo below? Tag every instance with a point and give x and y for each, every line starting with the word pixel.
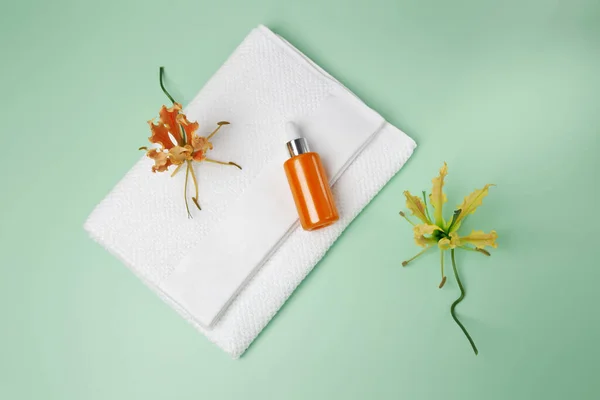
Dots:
pixel 297 146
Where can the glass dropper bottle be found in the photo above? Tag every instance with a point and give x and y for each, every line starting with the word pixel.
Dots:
pixel 308 183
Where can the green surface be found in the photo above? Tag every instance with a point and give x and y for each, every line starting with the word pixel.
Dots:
pixel 505 92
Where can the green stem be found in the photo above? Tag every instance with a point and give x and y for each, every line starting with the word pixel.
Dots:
pixel 462 296
pixel 162 86
pixel 161 73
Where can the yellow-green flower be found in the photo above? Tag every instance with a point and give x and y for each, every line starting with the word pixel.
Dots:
pixel 437 232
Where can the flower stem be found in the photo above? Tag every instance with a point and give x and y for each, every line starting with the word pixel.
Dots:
pixel 462 296
pixel 161 72
pixel 184 137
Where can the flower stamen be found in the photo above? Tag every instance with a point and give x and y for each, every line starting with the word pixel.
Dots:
pixel 187 206
pixel 442 268
pixel 176 170
pixel 222 162
pixel 475 249
pixel 406 218
pixel 195 198
pixel 483 251
pixel 405 263
pixel 219 125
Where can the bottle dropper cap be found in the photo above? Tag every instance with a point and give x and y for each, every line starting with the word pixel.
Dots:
pixel 296 144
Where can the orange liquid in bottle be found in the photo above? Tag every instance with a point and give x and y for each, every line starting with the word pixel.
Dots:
pixel 311 191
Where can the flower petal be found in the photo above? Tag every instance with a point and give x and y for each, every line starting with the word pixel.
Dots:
pixel 160 135
pixel 167 124
pixel 438 197
pixel 444 243
pixel 452 243
pixel 161 160
pixel 425 229
pixel 469 205
pixel 481 239
pixel 199 155
pixel 201 143
pixel 190 128
pixel 179 154
pixel 416 206
pixel 424 241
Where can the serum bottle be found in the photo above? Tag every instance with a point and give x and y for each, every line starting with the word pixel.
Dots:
pixel 308 183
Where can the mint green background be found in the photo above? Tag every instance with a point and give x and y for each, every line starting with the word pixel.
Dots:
pixel 505 92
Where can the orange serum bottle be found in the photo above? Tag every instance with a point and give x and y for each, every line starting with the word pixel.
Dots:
pixel 308 183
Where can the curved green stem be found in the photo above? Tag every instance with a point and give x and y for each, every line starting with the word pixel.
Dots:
pixel 184 137
pixel 453 306
pixel 161 72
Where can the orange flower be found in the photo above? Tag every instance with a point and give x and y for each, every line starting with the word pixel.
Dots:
pixel 174 123
pixel 178 140
pixel 179 144
pixel 174 134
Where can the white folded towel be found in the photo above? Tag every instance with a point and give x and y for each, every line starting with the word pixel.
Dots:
pixel 230 268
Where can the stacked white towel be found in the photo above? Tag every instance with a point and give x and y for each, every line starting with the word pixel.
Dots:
pixel 230 268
